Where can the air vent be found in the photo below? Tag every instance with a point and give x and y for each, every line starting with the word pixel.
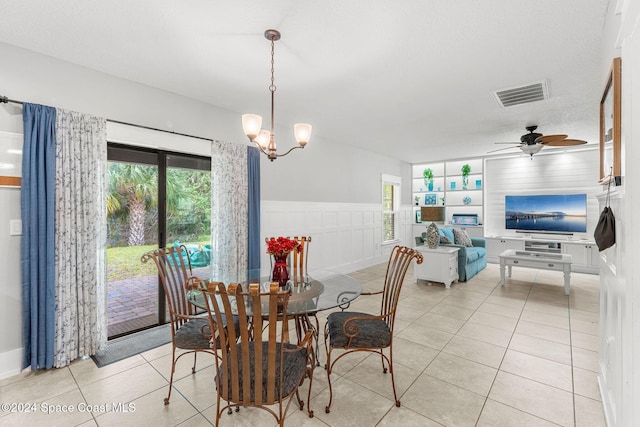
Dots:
pixel 522 95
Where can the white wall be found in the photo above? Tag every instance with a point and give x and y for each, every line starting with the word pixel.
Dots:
pixel 619 376
pixel 321 175
pixel 573 172
pixel 323 171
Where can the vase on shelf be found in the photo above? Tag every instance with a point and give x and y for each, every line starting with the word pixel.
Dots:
pixel 430 186
pixel 280 270
pixel 478 184
pixel 465 181
pixel 453 185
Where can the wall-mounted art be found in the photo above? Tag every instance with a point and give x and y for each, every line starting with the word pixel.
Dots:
pixel 610 129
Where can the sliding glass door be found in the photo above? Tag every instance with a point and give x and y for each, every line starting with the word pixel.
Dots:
pixel 155 198
pixel 188 208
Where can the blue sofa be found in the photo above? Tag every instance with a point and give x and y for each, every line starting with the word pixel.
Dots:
pixel 471 260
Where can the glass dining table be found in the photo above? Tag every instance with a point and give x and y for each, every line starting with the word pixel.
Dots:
pixel 322 290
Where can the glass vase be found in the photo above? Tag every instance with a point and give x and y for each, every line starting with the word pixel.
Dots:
pixel 280 270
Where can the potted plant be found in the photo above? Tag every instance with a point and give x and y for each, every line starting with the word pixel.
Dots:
pixel 428 178
pixel 417 199
pixel 466 169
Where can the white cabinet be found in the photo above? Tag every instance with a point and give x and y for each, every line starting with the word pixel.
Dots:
pixel 585 257
pixel 584 254
pixel 497 245
pixel 439 265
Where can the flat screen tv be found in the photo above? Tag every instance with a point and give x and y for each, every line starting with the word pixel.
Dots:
pixel 554 213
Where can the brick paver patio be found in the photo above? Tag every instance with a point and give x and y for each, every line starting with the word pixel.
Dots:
pixel 133 303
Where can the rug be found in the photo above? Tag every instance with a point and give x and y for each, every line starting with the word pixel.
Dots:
pixel 130 345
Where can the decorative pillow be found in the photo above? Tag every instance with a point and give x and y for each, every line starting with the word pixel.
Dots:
pixel 447 232
pixel 445 240
pixel 462 238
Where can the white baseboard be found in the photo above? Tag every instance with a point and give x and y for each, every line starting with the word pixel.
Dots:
pixel 10 363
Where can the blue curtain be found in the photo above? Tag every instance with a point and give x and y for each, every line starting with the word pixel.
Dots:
pixel 253 168
pixel 37 255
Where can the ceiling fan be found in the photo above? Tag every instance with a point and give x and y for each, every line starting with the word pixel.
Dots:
pixel 532 142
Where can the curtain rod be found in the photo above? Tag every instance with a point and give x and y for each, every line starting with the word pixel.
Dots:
pixel 5 100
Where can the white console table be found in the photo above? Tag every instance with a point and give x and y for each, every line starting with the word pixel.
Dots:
pixel 439 265
pixel 539 260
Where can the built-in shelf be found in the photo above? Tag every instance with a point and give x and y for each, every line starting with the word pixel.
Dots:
pixel 449 190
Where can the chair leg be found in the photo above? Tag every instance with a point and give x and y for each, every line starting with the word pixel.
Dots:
pixel 195 355
pixel 393 379
pixel 384 368
pixel 310 375
pixel 327 408
pixel 173 370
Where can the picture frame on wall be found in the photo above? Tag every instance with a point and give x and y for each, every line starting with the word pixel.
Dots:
pixel 10 159
pixel 610 126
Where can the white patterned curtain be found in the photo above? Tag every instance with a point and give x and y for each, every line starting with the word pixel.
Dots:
pixel 229 212
pixel 80 236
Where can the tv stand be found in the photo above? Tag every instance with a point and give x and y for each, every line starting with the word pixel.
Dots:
pixel 584 253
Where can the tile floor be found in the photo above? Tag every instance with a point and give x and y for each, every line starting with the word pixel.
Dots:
pixel 476 355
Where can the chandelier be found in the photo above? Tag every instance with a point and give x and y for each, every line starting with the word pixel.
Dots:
pixel 252 123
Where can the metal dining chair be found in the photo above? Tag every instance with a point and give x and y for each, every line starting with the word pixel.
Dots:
pixel 257 365
pixel 355 332
pixel 190 330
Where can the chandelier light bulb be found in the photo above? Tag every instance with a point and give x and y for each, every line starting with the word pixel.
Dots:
pixel 251 124
pixel 302 133
pixel 263 138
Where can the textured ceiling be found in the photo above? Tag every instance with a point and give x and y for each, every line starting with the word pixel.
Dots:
pixel 411 79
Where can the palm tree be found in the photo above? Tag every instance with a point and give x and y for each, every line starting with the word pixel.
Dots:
pixel 133 188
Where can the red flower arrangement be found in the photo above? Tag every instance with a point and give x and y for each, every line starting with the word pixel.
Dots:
pixel 282 246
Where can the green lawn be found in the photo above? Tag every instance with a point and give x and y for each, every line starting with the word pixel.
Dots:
pixel 124 262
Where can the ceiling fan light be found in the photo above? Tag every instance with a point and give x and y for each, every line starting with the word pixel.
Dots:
pixel 251 124
pixel 302 133
pixel 531 149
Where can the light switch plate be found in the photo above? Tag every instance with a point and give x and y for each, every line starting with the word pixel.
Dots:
pixel 15 227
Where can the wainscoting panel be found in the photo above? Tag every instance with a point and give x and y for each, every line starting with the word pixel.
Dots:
pixel 345 236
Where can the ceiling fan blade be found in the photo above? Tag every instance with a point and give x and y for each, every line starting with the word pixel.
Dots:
pixel 565 142
pixel 501 149
pixel 545 139
pixel 518 143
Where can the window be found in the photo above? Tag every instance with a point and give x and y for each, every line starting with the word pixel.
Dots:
pixel 390 208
